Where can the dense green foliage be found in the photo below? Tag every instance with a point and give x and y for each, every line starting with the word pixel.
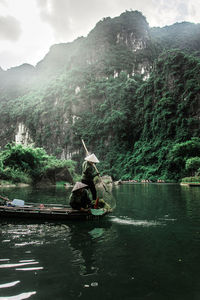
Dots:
pixel 193 179
pixel 29 165
pixel 142 122
pixel 193 165
pixel 136 108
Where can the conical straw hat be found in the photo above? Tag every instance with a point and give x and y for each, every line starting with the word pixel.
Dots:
pixel 92 158
pixel 79 185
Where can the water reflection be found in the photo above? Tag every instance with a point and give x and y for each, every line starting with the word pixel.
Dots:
pixel 191 196
pixel 9 284
pixel 150 202
pixel 20 261
pixel 19 297
pixel 72 246
pixel 17 265
pixel 38 195
pixel 83 243
pixel 147 249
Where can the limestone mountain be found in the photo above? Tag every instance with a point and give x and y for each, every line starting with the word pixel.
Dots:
pixel 184 36
pixel 114 45
pixel 115 88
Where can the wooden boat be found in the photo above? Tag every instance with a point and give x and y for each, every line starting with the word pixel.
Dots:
pixel 50 213
pixel 19 209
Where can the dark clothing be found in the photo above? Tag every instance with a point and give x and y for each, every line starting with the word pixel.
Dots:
pixel 80 199
pixel 92 188
pixel 88 173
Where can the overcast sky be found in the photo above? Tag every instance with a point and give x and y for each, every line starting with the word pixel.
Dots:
pixel 29 27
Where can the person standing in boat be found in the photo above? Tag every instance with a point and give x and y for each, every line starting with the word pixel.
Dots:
pixel 89 172
pixel 79 198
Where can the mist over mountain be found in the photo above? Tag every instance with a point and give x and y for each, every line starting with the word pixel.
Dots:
pixel 130 91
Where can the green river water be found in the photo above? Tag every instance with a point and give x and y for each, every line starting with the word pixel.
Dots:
pixel 148 248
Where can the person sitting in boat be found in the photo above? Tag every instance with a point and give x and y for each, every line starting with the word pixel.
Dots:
pixel 79 198
pixel 89 172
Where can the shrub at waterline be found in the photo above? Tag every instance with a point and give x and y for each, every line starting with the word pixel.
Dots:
pixel 29 165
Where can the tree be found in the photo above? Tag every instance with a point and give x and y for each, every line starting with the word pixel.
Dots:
pixel 192 166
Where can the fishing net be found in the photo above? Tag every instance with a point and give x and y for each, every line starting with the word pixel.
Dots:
pixel 104 188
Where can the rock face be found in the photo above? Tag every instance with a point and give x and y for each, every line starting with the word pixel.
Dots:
pixel 127 33
pixel 53 176
pixel 43 115
pixel 22 136
pixel 45 104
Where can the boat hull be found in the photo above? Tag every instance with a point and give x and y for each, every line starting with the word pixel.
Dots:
pixel 46 214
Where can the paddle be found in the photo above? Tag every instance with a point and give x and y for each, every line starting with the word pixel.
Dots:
pixel 4 198
pixel 87 153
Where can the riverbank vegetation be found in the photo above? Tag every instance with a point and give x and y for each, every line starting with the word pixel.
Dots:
pixel 32 165
pixel 20 164
pixel 147 130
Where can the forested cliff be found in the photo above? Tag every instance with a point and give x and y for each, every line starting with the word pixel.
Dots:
pixel 130 91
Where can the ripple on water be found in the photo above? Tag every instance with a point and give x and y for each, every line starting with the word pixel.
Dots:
pixel 4 259
pixel 9 284
pixel 129 221
pixel 34 234
pixel 22 265
pixel 19 297
pixel 17 265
